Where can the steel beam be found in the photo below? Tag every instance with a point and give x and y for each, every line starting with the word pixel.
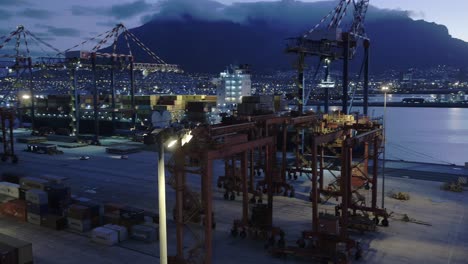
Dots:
pixel 366 137
pixel 232 150
pixel 223 130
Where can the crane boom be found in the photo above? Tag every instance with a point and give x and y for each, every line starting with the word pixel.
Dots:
pixel 327 40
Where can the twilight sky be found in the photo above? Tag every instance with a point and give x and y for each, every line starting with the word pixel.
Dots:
pixel 64 23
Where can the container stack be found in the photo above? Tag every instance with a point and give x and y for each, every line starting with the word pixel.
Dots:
pixel 79 218
pixel 46 201
pixel 37 205
pixel 12 206
pixel 130 216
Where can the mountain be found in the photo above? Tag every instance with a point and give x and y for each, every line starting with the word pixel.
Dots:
pixel 206 36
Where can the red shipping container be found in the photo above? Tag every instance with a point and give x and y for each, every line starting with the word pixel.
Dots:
pixel 15 208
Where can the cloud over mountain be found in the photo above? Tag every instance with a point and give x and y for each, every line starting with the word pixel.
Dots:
pixel 205 36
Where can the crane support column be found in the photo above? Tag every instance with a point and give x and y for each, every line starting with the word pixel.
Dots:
pixel 326 92
pixel 132 91
pixel 300 84
pixel 95 100
pixel 31 91
pixel 113 92
pixel 366 76
pixel 344 109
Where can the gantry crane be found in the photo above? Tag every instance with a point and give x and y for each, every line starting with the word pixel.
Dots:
pixel 112 58
pixel 329 42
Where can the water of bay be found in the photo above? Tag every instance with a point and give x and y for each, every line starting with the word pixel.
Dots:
pixel 434 135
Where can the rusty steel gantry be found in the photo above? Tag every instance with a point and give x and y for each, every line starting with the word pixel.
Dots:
pixel 256 137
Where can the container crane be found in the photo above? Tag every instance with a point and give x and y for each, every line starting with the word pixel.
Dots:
pixel 329 42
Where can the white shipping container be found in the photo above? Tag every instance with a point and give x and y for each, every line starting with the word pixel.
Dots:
pixel 79 225
pixel 105 236
pixel 121 230
pixel 9 189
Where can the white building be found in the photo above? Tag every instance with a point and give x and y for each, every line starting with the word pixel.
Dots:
pixel 234 83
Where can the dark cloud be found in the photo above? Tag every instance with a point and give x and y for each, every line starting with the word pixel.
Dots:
pixel 128 10
pixel 86 11
pixel 35 13
pixel 119 11
pixel 108 24
pixel 176 9
pixel 57 31
pixel 284 13
pixel 63 31
pixel 5 14
pixel 13 2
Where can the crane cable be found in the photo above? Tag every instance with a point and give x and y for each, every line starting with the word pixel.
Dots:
pixel 43 42
pixel 413 152
pixel 359 78
pixel 313 81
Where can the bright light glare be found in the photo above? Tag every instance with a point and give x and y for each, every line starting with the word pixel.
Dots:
pixel 187 137
pixel 172 143
pixel 26 96
pixel 385 88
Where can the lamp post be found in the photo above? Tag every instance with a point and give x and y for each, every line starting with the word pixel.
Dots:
pixel 185 138
pixel 385 90
pixel 162 205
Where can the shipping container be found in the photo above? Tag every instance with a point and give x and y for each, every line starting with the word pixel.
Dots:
pixel 79 225
pixel 105 236
pixel 24 249
pixel 14 208
pixel 121 230
pixel 144 233
pixel 8 254
pixel 56 222
pixel 80 212
pixel 10 189
pixel 39 209
pixel 34 219
pixel 34 183
pixel 37 196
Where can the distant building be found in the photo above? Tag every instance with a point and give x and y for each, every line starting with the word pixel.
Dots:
pixel 233 85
